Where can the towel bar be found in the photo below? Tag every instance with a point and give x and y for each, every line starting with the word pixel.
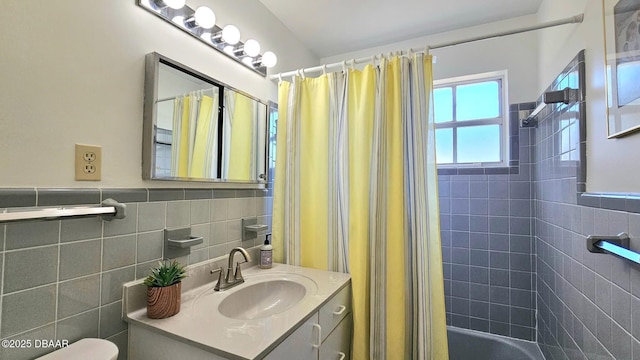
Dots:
pixel 109 210
pixel 615 245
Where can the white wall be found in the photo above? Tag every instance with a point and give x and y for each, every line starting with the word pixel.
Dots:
pixel 515 53
pixel 73 72
pixel 612 164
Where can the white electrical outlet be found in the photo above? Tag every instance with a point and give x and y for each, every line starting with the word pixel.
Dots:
pixel 88 162
pixel 89 156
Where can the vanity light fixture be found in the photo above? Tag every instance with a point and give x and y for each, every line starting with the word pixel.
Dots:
pixel 161 4
pixel 201 23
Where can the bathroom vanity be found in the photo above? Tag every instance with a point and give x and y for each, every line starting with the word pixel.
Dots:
pixel 285 312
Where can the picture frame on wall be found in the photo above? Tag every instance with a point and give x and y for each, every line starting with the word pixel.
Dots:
pixel 622 45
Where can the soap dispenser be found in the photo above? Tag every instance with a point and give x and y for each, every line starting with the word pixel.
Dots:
pixel 266 253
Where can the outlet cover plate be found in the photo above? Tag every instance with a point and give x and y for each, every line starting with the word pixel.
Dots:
pixel 88 165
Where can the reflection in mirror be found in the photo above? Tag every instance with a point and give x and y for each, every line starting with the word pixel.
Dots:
pixel 187 126
pixel 622 51
pixel 243 136
pixel 273 132
pixel 197 129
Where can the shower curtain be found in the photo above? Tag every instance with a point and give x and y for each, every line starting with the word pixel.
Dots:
pixel 240 138
pixel 356 191
pixel 195 136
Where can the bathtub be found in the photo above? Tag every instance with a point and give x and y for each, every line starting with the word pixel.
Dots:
pixel 475 345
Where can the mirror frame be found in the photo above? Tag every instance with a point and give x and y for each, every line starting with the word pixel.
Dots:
pixel 613 59
pixel 151 80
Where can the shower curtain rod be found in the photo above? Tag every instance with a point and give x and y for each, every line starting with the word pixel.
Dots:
pixel 570 20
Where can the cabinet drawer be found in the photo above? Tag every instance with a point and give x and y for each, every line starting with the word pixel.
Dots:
pixel 338 342
pixel 299 345
pixel 335 310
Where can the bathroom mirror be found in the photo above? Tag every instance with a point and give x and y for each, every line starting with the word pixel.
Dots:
pixel 199 129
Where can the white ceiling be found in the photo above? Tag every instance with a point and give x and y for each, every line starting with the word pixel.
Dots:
pixel 331 27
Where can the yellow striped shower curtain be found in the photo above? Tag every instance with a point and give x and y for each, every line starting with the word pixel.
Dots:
pixel 240 136
pixel 195 136
pixel 356 191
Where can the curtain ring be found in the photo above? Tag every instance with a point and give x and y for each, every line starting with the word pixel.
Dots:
pixel 344 66
pixel 324 69
pixel 302 75
pixel 279 77
pixel 353 64
pixel 427 50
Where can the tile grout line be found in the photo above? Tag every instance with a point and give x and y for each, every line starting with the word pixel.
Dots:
pixel 100 282
pixel 55 317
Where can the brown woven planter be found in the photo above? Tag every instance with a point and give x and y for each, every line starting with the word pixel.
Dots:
pixel 163 302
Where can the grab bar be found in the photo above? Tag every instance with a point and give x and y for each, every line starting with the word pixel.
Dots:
pixel 615 245
pixel 109 210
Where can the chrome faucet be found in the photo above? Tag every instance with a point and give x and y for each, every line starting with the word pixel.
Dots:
pixel 226 281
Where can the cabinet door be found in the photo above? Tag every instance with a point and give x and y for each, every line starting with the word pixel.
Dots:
pixel 335 310
pixel 337 346
pixel 300 344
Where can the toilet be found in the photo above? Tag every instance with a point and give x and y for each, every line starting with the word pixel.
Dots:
pixel 94 349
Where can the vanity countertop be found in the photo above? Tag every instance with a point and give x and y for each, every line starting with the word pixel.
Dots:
pixel 200 324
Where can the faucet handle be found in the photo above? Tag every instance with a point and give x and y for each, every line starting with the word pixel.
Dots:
pixel 220 272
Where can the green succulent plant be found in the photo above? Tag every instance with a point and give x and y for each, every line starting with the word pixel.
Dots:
pixel 166 274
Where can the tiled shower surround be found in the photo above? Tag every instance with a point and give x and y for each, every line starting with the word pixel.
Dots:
pixel 487 247
pixel 588 305
pixel 578 305
pixel 63 279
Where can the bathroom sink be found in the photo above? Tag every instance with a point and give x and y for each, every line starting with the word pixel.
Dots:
pixel 262 295
pixel 262 299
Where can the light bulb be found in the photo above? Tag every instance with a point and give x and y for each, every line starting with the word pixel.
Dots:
pixel 269 59
pixel 229 49
pixel 179 20
pixel 206 36
pixel 248 60
pixel 230 35
pixel 252 48
pixel 175 4
pixel 205 18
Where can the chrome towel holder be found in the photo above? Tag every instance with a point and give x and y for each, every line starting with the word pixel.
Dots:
pixel 109 210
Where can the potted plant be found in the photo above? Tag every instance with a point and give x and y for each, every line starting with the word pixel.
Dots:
pixel 164 287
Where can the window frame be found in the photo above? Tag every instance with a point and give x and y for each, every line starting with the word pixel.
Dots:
pixel 501 77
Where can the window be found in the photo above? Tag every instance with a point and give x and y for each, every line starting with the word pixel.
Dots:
pixel 471 121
